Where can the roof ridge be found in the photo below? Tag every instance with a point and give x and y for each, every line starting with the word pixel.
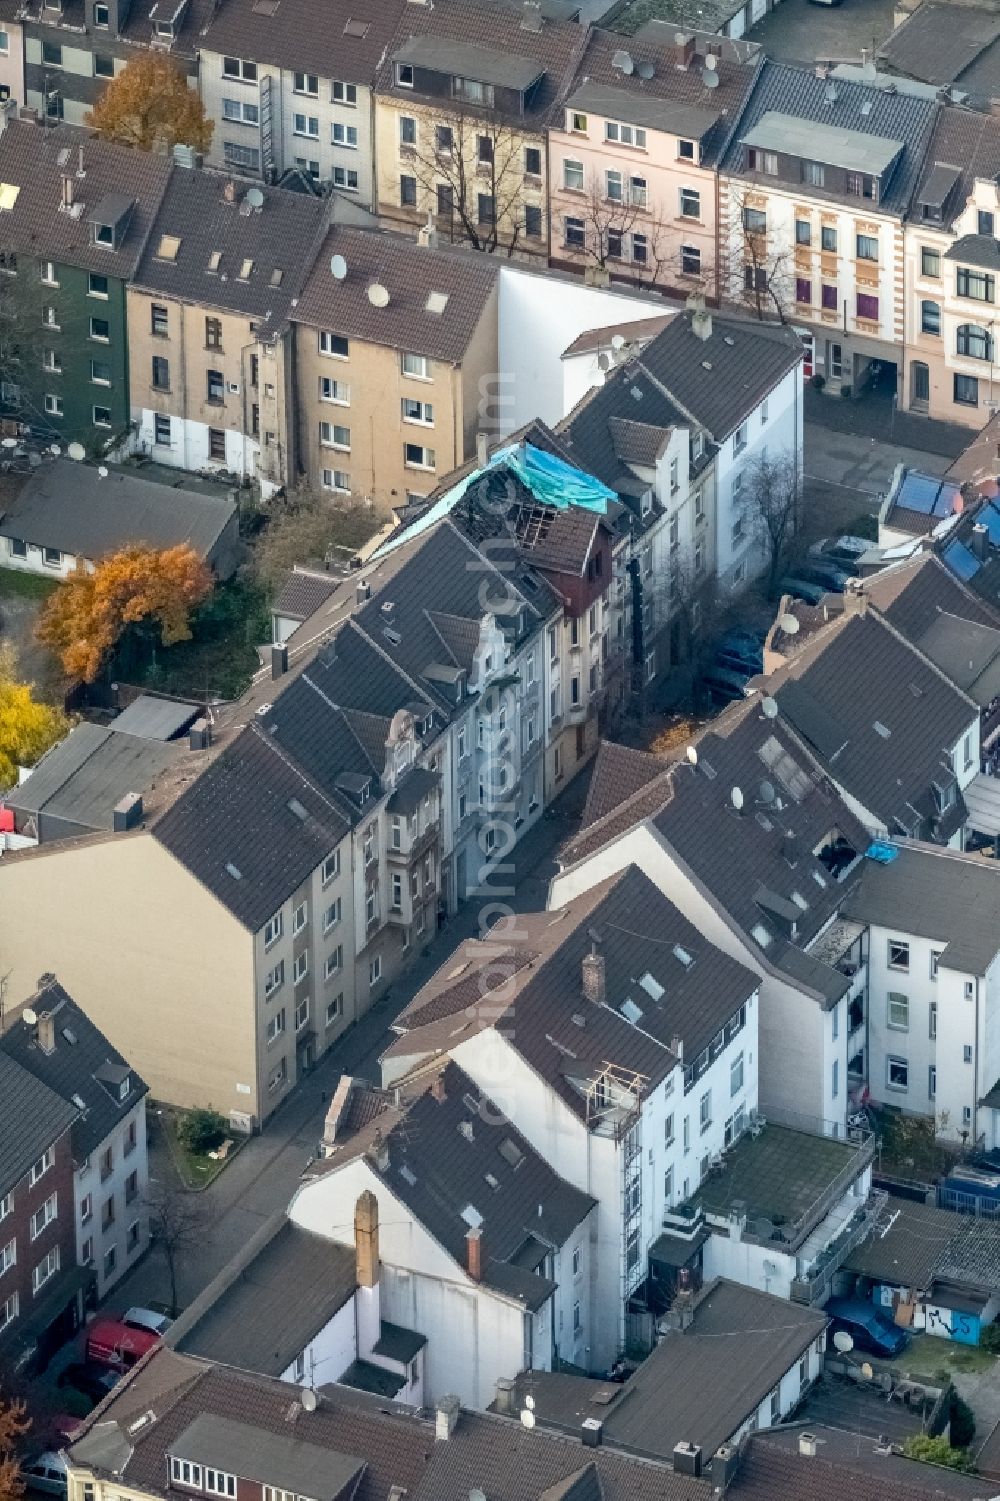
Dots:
pixel 292 765
pixel 355 624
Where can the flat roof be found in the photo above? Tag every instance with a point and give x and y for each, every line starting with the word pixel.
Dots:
pixel 467 60
pixel 777 1176
pixel 152 718
pixel 818 141
pixel 273 1459
pixel 669 115
pixel 81 779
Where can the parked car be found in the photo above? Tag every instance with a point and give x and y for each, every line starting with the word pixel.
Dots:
pixel 844 551
pixel 153 1320
pixel 92 1381
pixel 800 588
pixel 739 648
pixel 724 685
pixel 46 1473
pixel 112 1343
pixel 825 572
pixel 735 663
pixel 869 1329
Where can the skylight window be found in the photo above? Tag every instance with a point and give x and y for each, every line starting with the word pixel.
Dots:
pixel 8 195
pixel 436 303
pixel 168 247
pixel 881 729
pixel 631 1012
pixel 294 806
pixel 472 1217
pixel 215 260
pixel 234 871
pixel 760 934
pixel 800 901
pixel 408 1175
pixel 246 270
pixel 511 1152
pixel 683 955
pixel 651 986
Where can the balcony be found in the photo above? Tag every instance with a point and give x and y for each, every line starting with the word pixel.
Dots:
pixel 412 850
pixel 814 1285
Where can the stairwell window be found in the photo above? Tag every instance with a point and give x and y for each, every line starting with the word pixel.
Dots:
pixel 897 1073
pixel 705 1110
pixel 898 1011
pixel 898 956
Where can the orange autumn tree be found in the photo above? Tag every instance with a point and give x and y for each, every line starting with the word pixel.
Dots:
pixel 13 1426
pixel 149 105
pixel 136 591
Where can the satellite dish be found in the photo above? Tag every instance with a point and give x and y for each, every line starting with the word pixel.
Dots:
pixel 603 361
pixel 617 342
pixel 378 295
pixel 736 798
pixel 769 707
pixel 789 624
pixel 867 1371
pixel 54 448
pixel 645 71
pixel 527 1418
pixel 628 66
pixel 692 754
pixel 102 471
pixel 338 267
pixel 30 1016
pixel 767 792
pixel 709 78
pixel 255 198
pixel 622 60
pixel 529 1402
pixel 77 451
pixel 9 443
pixel 843 1342
pixel 308 1398
pixel 711 62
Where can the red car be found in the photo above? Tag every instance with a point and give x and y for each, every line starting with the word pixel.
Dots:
pixel 112 1343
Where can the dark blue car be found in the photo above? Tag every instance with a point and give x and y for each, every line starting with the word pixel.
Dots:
pixel 870 1330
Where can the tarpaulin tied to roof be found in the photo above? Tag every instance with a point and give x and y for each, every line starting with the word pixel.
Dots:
pixel 882 852
pixel 550 479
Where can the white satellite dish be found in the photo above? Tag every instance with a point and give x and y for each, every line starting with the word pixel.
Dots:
pixel 789 624
pixel 692 754
pixel 338 267
pixel 76 451
pixel 9 443
pixel 617 342
pixel 527 1418
pixel 711 62
pixel 529 1402
pixel 843 1342
pixel 628 66
pixel 255 198
pixel 645 71
pixel 736 798
pixel 378 295
pixel 767 792
pixel 308 1399
pixel 769 707
pixel 30 1016
pixel 867 1371
pixel 54 448
pixel 709 78
pixel 102 471
pixel 622 60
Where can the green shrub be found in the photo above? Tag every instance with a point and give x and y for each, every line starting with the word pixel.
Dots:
pixel 201 1130
pixel 936 1451
pixel 963 1423
pixel 989 1339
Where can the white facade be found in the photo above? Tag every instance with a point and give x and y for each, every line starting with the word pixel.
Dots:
pixel 109 1189
pixel 190 446
pixel 27 557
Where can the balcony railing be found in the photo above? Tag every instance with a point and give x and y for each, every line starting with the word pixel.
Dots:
pixel 813 1286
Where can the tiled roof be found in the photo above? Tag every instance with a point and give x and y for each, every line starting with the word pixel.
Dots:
pixel 641 330
pixel 302 593
pixel 862 107
pixel 912 594
pixel 906 1245
pixel 33 159
pixel 343 40
pixel 410 273
pixel 618 773
pixel 843 1466
pixel 73 1070
pixel 637 442
pixel 32 1118
pixel 964 139
pixel 246 262
pixel 628 395
pixel 497 29
pixel 936 43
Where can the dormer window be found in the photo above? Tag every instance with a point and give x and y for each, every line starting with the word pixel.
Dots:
pixel 104 234
pixel 472 91
pixel 404 75
pixel 861 185
pixel 762 161
pixel 125 1088
pixel 102 17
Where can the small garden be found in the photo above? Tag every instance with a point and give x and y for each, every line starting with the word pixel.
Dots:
pixel 201 1143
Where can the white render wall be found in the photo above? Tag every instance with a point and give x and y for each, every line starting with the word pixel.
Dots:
pixel 87 1181
pixel 189 445
pixel 774 427
pixel 327 1356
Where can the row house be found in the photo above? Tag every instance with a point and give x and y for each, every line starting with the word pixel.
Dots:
pixel 212 383
pixel 630 1068
pixel 11 56
pixel 816 182
pixel 56 1042
pixel 41 1286
pixel 951 273
pixel 78 212
pixel 632 179
pixel 395 344
pixel 464 98
pixel 290 90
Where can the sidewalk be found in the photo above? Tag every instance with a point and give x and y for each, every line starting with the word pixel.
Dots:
pixel 262 1178
pixel 872 416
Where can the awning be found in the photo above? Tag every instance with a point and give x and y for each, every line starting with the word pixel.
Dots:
pixel 982 799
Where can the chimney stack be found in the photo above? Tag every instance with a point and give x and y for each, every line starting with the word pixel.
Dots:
pixel 980 542
pixel 701 324
pixel 807 1445
pixel 677 1048
pixel 229 192
pixel 505 1397
pixel 446 1417
pixel 279 662
pixel 366 1239
pixel 474 1253
pixel 438 1092
pixel 593 977
pixel 46 1031
pixel 482 450
pixel 68 190
pixel 200 735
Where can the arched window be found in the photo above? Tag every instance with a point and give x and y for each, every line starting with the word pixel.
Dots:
pixel 975 342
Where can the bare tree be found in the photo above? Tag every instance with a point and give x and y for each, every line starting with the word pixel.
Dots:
pixel 681 607
pixel 472 170
pixel 176 1223
pixel 772 495
pixel 607 224
pixel 761 264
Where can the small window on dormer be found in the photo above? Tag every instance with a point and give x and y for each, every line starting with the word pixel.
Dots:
pixel 104 234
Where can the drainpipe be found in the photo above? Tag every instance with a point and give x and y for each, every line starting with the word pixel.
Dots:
pixel 975 1080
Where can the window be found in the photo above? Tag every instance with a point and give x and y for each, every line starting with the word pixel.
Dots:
pixel 407 130
pixel 532 221
pixel 334 962
pixel 51 55
pixel 637 192
pixel 41 1167
pixel 301 1013
pixel 736 1076
pixel 334 390
pixel 161 430
pixel 43 1216
pixel 273 929
pixel 897 1073
pixel 573 233
pixel 276 1025
pixel 966 391
pixel 740 438
pixel 8 1256
pixel 814 173
pixel 898 954
pixel 974 342
pixel 306 83
pixel 53 404
pixel 242 157
pixel 334 345
pixel 755 221
pixel 108 1212
pixel 49 276
pixel 6 1205
pixel 860 185
pixel 330 868
pixel 213 333
pixel 897 1011
pixel 8 1310
pixel 930 261
pixel 828 238
pixel 45 1269
pixel 577 1319
pixel 640 249
pixel 160 375
pixel 97 286
pixel 300 967
pixel 107 1163
pixel 613 186
pixel 396 898
pixel 277 1075
pixel 685 150
pixel 931 1082
pixel 803 232
pixel 930 317
pixel 347 178
pixel 484 151
pixel 978 285
pixel 690 260
pixel 867 306
pixel 835 1078
pixel 985 223
pixel 331 917
pixel 932 1021
pixel 374 971
pixel 867 247
pixel 690 203
pixel 625 135
pixel 407 191
pixel 967 1053
pixel 705 1110
pixel 300 916
pixel 334 1009
pixel 334 435
pixel 235 67
pixel 418 411
pixel 345 93
pixel 102 416
pixel 240 111
pixel 415 456
pixel 5 41
pixel 762 161
pixel 532 161
pixel 803 290
pixel 485 208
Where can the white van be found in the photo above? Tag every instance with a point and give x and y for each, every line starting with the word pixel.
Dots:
pixel 46 1473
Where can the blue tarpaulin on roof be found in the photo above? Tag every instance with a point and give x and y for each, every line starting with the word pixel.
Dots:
pixel 883 853
pixel 962 562
pixel 550 479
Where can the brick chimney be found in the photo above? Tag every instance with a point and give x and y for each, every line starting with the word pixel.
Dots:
pixel 593 978
pixel 46 1032
pixel 446 1417
pixel 474 1253
pixel 438 1091
pixel 366 1239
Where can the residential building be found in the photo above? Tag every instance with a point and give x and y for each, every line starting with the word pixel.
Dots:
pixel 969 63
pixel 290 90
pixel 958 518
pixel 64 1051
pixel 816 182
pixel 934 973
pixel 210 346
pixel 301 595
pixel 587 359
pixel 731 1362
pixel 626 1058
pixel 393 345
pixel 464 98
pixel 11 56
pixel 68 515
pixel 41 1285
pixel 80 211
pixel 633 157
pixel 483 1246
pixel 950 278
